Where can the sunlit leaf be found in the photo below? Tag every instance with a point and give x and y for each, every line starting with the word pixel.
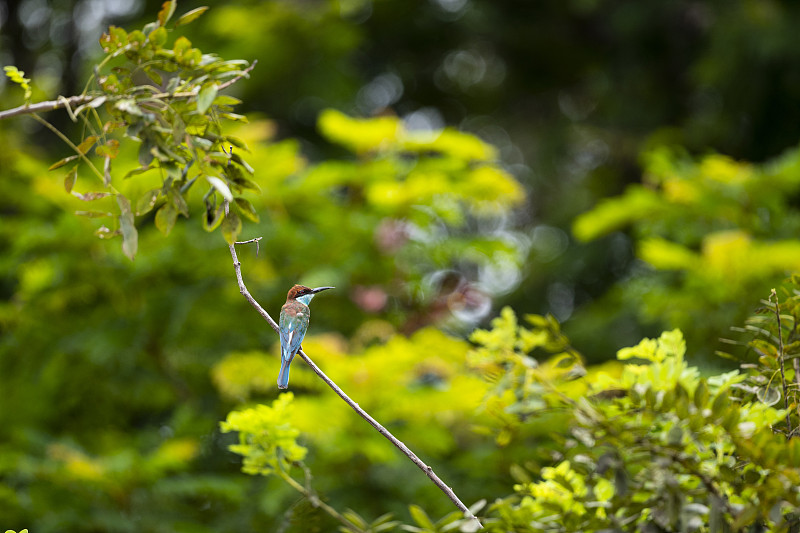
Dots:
pixel 190 16
pixel 158 36
pixel 213 217
pixel 420 517
pixel 206 97
pixel 220 186
pixel 167 10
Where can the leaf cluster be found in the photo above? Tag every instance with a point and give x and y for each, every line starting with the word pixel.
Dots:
pixel 709 232
pixel 653 446
pixel 164 96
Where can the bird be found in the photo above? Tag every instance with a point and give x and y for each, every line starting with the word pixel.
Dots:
pixel 293 325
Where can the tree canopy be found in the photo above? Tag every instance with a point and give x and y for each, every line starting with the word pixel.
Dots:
pixel 562 236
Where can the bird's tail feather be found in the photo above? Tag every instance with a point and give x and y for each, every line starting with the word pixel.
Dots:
pixel 283 375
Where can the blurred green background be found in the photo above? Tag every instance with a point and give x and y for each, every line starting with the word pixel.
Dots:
pixel 114 375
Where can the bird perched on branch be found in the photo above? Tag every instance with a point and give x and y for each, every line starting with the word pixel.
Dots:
pixel 293 323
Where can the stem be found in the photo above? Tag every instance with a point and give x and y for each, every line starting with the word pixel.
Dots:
pixel 70 144
pixel 315 501
pixel 780 359
pixel 237 267
pixel 61 102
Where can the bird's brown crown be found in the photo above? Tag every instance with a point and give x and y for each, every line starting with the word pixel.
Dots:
pixel 297 290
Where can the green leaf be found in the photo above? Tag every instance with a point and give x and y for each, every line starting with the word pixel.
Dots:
pixel 224 99
pixel 701 394
pixel 69 179
pixel 166 217
pixel 182 44
pixel 212 217
pixel 206 97
pixel 91 196
pixel 158 36
pixel 110 149
pixel 167 10
pixel 87 144
pixel 147 201
pixel 191 16
pixel 18 77
pixel 721 402
pixel 153 75
pixel 746 517
pixel 420 517
pixel 355 519
pixel 244 164
pixel 247 184
pixel 220 186
pixel 235 117
pixel 179 202
pixel 231 227
pixel 136 171
pixel 63 162
pixel 130 237
pixel 246 208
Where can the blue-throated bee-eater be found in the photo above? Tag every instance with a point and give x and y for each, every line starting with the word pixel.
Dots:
pixel 293 323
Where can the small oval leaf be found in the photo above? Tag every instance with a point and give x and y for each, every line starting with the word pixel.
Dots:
pixel 63 162
pixel 87 144
pixel 166 217
pixel 69 180
pixel 206 97
pixel 147 201
pixel 190 16
pixel 231 227
pixel 246 209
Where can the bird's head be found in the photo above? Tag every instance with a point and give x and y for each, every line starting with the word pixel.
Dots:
pixel 304 294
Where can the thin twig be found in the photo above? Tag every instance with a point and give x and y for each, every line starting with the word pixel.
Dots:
pixel 237 267
pixel 72 101
pixel 69 143
pixel 315 501
pixel 780 358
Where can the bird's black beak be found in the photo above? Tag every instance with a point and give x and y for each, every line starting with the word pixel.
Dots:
pixel 320 289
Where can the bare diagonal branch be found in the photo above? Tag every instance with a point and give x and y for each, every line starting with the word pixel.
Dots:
pixel 361 412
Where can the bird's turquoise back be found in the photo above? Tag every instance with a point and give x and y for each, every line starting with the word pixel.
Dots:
pixel 293 324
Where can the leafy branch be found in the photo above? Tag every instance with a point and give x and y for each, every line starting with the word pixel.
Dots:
pixel 237 266
pixel 176 116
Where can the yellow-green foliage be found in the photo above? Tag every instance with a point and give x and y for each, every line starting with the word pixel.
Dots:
pixel 645 441
pixel 420 383
pixel 448 165
pixel 267 438
pixel 713 232
pixel 653 443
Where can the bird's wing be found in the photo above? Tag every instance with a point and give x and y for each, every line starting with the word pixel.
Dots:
pixel 293 326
